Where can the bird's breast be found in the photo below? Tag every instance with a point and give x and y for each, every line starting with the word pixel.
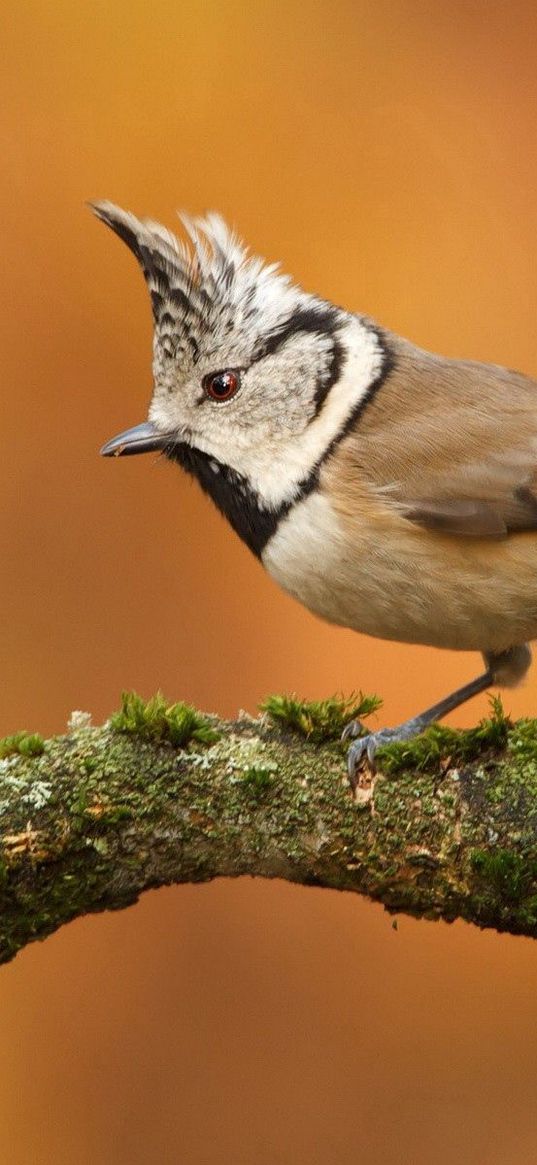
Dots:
pixel 373 571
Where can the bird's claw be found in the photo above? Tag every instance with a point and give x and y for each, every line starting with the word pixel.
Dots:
pixel 353 729
pixel 362 749
pixel 366 747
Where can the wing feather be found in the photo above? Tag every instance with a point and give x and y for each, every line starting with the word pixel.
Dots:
pixel 451 444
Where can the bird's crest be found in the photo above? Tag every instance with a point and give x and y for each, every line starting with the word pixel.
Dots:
pixel 208 273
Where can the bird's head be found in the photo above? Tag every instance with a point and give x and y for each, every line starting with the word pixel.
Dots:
pixel 244 362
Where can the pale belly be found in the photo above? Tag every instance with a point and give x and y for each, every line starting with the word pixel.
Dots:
pixel 395 581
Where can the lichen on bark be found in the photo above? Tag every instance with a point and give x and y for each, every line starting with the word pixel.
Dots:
pixel 445 829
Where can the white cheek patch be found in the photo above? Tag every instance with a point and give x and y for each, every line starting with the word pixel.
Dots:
pixel 276 472
pixel 275 469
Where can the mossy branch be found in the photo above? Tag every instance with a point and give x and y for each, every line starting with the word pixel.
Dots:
pixel 446 828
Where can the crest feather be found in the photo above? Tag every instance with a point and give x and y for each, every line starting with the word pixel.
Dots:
pixel 213 269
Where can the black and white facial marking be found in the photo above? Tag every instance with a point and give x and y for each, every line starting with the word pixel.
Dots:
pixel 253 515
pixel 304 369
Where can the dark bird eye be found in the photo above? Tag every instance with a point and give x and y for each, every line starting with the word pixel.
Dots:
pixel 221 385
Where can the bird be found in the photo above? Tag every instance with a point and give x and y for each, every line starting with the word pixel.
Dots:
pixel 388 489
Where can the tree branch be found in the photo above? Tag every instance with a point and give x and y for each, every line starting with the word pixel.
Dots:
pixel 99 815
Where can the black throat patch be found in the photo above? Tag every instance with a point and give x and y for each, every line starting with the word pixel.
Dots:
pixel 233 495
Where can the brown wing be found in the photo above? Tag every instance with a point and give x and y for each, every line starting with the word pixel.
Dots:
pixel 452 445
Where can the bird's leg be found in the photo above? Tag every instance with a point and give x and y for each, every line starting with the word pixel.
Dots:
pixel 505 668
pixel 368 745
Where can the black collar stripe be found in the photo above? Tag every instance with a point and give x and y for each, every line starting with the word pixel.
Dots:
pixel 234 496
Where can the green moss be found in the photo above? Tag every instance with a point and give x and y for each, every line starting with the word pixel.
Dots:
pixel 89 764
pixel 505 888
pixel 155 719
pixel 319 720
pixel 22 744
pixel 101 812
pixel 115 813
pixel 523 740
pixel 259 779
pixel 439 743
pixel 504 871
pixel 527 914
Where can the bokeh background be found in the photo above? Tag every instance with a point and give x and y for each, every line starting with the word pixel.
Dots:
pixel 386 152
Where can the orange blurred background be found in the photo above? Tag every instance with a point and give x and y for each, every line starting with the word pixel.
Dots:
pixel 386 153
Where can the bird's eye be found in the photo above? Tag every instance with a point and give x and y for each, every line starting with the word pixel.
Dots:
pixel 221 386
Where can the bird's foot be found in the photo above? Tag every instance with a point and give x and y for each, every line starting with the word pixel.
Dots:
pixel 366 746
pixel 353 729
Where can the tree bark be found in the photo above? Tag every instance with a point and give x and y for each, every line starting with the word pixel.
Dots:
pixel 100 816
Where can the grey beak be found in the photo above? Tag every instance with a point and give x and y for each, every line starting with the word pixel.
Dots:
pixel 141 439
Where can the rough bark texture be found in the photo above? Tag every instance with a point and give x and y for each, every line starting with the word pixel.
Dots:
pixel 100 816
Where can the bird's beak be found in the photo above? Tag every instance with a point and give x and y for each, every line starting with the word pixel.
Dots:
pixel 141 439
